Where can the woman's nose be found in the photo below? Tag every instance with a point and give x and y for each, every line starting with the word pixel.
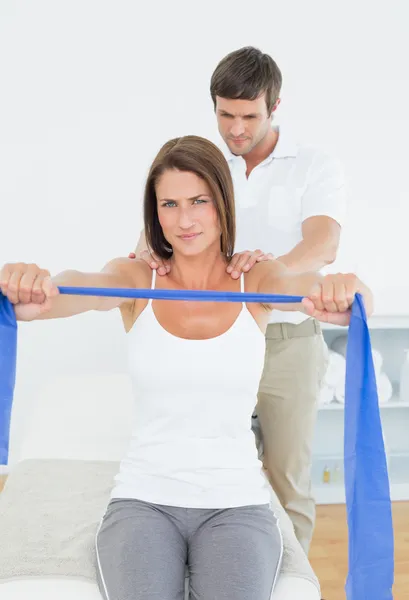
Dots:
pixel 185 218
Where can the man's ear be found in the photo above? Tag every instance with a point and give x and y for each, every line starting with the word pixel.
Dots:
pixel 276 103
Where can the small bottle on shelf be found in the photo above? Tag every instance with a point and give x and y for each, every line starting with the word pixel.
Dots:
pixel 336 475
pixel 326 476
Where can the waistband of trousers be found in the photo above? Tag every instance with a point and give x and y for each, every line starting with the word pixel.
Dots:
pixel 285 331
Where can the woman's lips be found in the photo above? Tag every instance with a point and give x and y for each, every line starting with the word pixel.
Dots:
pixel 189 236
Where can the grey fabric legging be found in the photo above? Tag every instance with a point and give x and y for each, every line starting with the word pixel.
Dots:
pixel 143 549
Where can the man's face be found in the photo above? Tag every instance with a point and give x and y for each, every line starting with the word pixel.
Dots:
pixel 242 123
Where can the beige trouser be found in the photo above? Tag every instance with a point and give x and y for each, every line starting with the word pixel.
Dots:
pixel 295 364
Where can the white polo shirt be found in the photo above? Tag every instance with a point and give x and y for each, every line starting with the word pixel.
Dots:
pixel 292 184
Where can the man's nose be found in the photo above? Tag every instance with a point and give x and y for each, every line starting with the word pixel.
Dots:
pixel 238 128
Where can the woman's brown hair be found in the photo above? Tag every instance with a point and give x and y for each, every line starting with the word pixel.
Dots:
pixel 200 156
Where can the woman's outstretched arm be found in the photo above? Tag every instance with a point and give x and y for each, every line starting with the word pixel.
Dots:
pixel 326 298
pixel 35 295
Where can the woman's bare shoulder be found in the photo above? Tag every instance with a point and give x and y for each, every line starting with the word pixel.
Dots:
pixel 133 272
pixel 139 275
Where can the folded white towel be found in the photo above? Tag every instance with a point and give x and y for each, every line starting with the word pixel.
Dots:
pixel 336 370
pixel 339 345
pixel 326 395
pixel 385 389
pixel 377 360
pixel 340 393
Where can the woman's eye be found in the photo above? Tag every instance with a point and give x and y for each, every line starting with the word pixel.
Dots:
pixel 172 203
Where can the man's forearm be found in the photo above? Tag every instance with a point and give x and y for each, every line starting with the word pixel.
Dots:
pixel 309 257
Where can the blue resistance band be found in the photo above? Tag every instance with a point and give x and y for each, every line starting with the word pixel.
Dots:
pixel 203 295
pixel 368 503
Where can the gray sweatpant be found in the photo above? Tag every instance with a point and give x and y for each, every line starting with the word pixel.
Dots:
pixel 143 550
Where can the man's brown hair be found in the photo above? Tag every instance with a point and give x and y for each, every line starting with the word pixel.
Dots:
pixel 245 74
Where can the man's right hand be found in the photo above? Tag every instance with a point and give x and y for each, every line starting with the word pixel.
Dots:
pixel 161 266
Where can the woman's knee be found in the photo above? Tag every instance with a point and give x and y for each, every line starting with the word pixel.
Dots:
pixel 242 549
pixel 140 554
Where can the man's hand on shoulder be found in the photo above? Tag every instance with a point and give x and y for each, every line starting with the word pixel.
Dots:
pixel 161 266
pixel 241 262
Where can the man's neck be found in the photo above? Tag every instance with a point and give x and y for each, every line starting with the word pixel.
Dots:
pixel 262 150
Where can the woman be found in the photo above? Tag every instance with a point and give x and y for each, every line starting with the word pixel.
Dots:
pixel 191 489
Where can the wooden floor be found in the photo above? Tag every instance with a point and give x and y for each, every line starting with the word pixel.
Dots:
pixel 329 550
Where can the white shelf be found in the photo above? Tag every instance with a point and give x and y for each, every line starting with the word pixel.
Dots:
pixel 335 494
pixel 387 405
pixel 329 494
pixel 390 336
pixel 378 322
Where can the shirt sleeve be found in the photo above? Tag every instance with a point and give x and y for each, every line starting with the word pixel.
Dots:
pixel 325 193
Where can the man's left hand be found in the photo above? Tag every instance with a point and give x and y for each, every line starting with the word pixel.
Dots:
pixel 242 262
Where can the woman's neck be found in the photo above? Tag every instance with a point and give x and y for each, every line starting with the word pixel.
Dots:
pixel 201 272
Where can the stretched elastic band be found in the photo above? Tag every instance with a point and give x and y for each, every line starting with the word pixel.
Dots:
pixel 202 295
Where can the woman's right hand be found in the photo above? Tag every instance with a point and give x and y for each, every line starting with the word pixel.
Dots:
pixel 29 288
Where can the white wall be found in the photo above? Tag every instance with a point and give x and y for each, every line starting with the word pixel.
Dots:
pixel 91 89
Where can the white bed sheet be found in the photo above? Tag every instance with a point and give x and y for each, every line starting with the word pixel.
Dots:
pixel 73 406
pixel 288 588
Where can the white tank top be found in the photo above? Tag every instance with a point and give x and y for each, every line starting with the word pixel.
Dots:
pixel 192 445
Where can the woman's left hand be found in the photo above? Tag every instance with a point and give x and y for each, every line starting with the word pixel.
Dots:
pixel 330 300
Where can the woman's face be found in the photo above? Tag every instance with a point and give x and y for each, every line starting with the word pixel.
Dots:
pixel 187 212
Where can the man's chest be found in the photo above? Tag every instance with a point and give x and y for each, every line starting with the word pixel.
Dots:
pixel 269 207
pixel 273 191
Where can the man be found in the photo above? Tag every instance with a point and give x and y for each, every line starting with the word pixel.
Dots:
pixel 290 202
